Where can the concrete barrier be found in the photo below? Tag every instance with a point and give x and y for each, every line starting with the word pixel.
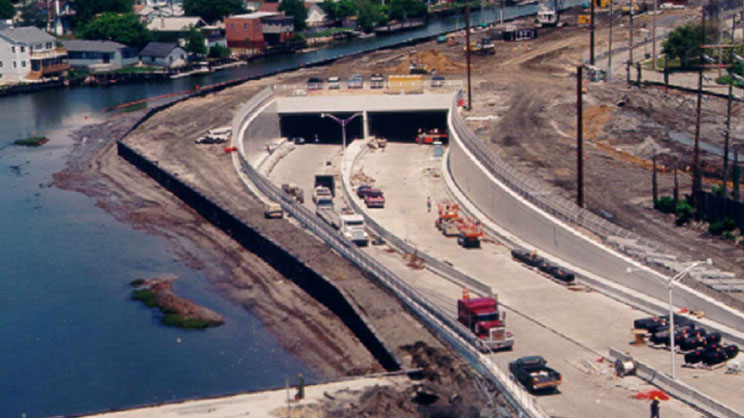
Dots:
pixel 474 173
pixel 677 389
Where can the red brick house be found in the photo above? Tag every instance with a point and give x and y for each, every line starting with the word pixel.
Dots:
pixel 258 31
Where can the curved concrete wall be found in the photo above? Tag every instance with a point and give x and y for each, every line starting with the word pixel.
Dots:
pixel 546 233
pixel 260 132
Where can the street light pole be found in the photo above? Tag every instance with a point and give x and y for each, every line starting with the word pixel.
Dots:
pixel 342 122
pixel 674 279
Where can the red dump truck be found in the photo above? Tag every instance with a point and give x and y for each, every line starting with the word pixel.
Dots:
pixel 481 316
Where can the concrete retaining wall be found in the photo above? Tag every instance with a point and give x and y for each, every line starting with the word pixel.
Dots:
pixel 261 132
pixel 281 259
pixel 521 218
pixel 677 389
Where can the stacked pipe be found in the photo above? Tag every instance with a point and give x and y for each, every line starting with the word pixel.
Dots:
pixel 699 345
pixel 533 260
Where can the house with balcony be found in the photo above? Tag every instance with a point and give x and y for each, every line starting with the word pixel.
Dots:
pixel 100 55
pixel 28 53
pixel 257 32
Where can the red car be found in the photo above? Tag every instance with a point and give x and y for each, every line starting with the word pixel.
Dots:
pixel 374 198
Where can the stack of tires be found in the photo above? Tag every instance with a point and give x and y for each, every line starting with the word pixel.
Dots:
pixel 533 260
pixel 699 345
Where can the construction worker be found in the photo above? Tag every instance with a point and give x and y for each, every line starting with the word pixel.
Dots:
pixel 428 203
pixel 655 407
pixel 300 387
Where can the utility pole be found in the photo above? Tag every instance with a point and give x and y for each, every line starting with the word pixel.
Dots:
pixel 736 174
pixel 579 139
pixel 591 35
pixel 726 134
pixel 653 36
pixel 675 194
pixel 467 48
pixel 609 58
pixel 654 184
pixel 696 154
pixel 630 56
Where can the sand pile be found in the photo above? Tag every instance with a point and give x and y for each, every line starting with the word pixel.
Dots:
pixel 433 59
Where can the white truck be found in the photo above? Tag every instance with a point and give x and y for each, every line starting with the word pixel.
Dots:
pixel 352 227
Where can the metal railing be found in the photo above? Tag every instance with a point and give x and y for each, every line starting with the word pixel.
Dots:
pixel 384 87
pixel 439 320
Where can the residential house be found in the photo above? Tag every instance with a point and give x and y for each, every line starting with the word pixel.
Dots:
pixel 58 14
pixel 28 53
pixel 163 54
pixel 147 14
pixel 258 31
pixel 315 15
pixel 100 55
pixel 214 35
pixel 173 28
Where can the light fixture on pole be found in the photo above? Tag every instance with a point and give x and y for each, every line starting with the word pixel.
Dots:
pixel 342 122
pixel 670 284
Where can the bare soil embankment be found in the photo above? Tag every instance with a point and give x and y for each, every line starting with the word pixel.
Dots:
pixel 302 326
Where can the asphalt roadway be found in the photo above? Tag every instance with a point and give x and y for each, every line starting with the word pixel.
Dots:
pixel 572 330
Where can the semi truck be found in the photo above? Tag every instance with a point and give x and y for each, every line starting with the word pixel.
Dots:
pixel 352 227
pixel 481 316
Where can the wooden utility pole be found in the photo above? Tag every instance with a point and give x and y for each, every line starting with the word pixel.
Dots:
pixel 676 188
pixel 726 134
pixel 654 183
pixel 653 35
pixel 630 27
pixel 579 139
pixel 609 57
pixel 736 174
pixel 591 35
pixel 696 152
pixel 467 48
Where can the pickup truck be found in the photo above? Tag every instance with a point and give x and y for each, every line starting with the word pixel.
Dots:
pixel 532 372
pixel 321 192
pixel 374 198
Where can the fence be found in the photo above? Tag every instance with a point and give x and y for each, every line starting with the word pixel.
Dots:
pixel 438 320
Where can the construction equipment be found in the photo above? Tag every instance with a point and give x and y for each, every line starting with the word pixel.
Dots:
pixel 431 136
pixel 416 67
pixel 481 316
pixel 449 213
pixel 482 47
pixel 273 210
pixel 469 232
pixel 294 191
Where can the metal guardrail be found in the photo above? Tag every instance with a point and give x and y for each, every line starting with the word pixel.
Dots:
pixel 381 88
pixel 445 326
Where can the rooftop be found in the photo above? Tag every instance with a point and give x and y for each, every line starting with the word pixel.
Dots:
pixel 175 24
pixel 26 35
pixel 255 15
pixel 158 49
pixel 93 46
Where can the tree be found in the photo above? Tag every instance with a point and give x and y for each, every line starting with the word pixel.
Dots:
pixel 219 51
pixel 330 8
pixel 7 11
pixel 86 10
pixel 404 9
pixel 296 9
pixel 370 15
pixel 346 8
pixel 684 43
pixel 195 42
pixel 212 10
pixel 125 29
pixel 33 16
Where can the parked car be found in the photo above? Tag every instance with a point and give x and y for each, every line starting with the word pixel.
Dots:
pixel 321 192
pixel 314 83
pixel 362 190
pixel 532 372
pixel 298 140
pixel 376 81
pixel 356 81
pixel 334 83
pixel 437 81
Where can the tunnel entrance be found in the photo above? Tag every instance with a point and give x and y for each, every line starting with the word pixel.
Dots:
pixel 404 126
pixel 307 125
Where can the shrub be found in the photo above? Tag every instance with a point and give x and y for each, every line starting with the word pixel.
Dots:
pixel 729 236
pixel 684 212
pixel 665 204
pixel 717 190
pixel 716 228
pixel 729 224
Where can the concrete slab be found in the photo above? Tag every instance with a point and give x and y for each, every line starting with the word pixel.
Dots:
pixel 370 103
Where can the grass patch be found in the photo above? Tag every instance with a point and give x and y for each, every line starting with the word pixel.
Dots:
pixel 146 296
pixel 177 321
pixel 35 141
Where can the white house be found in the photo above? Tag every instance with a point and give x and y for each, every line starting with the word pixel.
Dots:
pixel 28 53
pixel 315 15
pixel 177 25
pixel 100 55
pixel 163 54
